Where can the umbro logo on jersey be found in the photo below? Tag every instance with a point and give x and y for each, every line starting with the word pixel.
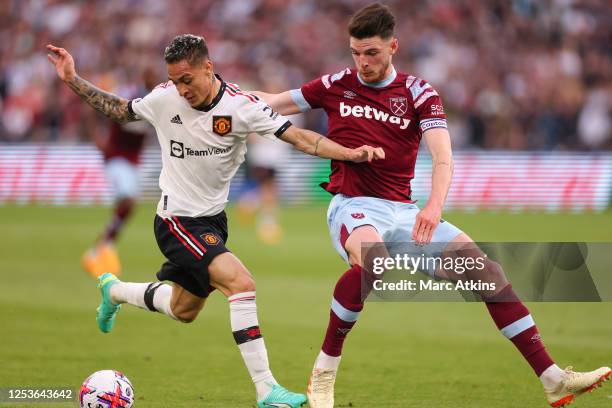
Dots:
pixel 349 94
pixel 177 120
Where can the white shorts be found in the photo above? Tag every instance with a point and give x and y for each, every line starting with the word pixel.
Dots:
pixel 393 221
pixel 123 177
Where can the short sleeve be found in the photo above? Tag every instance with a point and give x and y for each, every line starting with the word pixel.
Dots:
pixel 261 119
pixel 313 92
pixel 428 105
pixel 298 98
pixel 145 108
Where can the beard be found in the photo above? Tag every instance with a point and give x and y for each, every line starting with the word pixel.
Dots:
pixel 380 75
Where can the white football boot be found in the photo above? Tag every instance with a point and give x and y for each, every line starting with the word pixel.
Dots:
pixel 320 391
pixel 573 384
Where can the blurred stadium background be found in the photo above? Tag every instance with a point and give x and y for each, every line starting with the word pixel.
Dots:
pixel 527 86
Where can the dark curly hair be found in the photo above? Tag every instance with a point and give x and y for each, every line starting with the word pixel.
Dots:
pixel 186 47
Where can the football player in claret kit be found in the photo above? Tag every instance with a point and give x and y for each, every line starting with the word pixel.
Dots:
pixel 377 105
pixel 121 148
pixel 202 123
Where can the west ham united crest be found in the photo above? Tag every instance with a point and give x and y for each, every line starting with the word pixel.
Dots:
pixel 222 125
pixel 399 106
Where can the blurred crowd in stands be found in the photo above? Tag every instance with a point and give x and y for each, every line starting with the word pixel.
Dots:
pixel 513 74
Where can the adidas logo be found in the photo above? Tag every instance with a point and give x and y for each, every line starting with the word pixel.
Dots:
pixel 177 120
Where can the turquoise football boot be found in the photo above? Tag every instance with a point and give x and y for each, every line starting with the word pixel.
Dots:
pixel 280 397
pixel 107 311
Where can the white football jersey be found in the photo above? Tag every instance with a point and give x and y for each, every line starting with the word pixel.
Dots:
pixel 202 149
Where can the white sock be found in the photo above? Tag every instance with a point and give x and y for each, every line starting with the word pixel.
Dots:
pixel 324 361
pixel 551 377
pixel 128 292
pixel 243 315
pixel 161 300
pixel 133 293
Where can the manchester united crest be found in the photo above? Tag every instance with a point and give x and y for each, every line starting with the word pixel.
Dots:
pixel 399 106
pixel 222 125
pixel 210 239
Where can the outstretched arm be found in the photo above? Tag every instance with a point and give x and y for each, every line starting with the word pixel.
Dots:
pixel 318 145
pixel 281 102
pixel 438 141
pixel 110 105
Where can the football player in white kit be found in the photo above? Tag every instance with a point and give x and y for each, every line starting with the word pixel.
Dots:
pixel 202 123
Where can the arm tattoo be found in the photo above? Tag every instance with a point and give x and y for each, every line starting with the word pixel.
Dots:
pixel 111 106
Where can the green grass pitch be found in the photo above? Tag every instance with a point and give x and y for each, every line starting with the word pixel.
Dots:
pixel 399 355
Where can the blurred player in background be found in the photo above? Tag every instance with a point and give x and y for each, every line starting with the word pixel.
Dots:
pixel 375 104
pixel 260 200
pixel 121 147
pixel 264 157
pixel 201 123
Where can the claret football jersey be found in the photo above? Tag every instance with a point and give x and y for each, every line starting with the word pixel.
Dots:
pixel 392 114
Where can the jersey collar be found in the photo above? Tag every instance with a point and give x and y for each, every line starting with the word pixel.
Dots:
pixel 380 84
pixel 216 99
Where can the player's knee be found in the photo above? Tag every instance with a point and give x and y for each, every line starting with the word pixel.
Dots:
pixel 240 282
pixel 353 245
pixel 495 272
pixel 243 283
pixel 354 259
pixel 493 268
